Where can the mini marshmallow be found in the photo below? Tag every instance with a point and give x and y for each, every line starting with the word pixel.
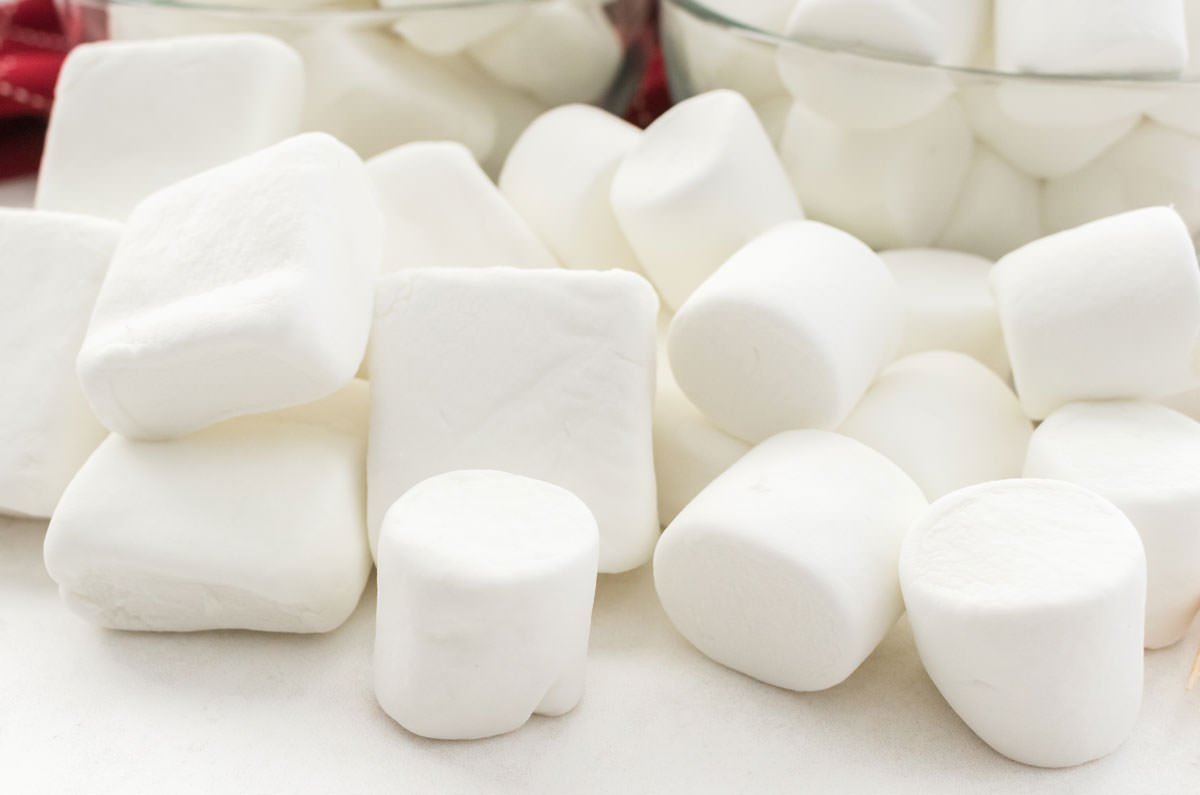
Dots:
pixel 560 51
pixel 785 567
pixel 52 265
pixel 703 181
pixel 543 373
pixel 1152 165
pixel 256 523
pixel 999 208
pixel 948 305
pixel 1026 599
pixel 788 333
pixel 243 289
pixel 132 117
pixel 558 177
pixel 945 419
pixel 893 188
pixel 1108 310
pixel 451 30
pixel 1145 458
pixel 714 56
pixel 441 210
pixel 486 583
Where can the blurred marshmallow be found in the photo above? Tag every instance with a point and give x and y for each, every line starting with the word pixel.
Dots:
pixel 715 57
pixel 1181 108
pixel 999 208
pixel 450 30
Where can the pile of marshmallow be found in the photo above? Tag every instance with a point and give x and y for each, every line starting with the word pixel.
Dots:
pixel 183 404
pixel 901 153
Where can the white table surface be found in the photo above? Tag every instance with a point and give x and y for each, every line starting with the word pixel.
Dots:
pixel 85 710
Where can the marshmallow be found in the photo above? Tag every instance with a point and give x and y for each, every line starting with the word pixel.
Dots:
pixel 1181 109
pixel 486 583
pixel 559 176
pixel 132 117
pixel 773 113
pixel 999 208
pixel 1150 166
pixel 948 305
pixel 374 92
pixel 514 111
pixel 1108 310
pixel 1185 403
pixel 931 31
pixel 711 56
pixel 1026 601
pixel 785 567
pixel 451 30
pixel 256 523
pixel 788 333
pixel 1145 458
pixel 543 373
pixel 560 51
pixel 243 289
pixel 768 15
pixel 441 210
pixel 892 188
pixel 52 266
pixel 689 450
pixel 703 181
pixel 945 419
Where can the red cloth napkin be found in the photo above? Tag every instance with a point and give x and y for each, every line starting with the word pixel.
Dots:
pixel 32 48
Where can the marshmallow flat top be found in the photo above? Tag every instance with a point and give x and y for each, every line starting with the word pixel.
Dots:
pixel 942 31
pixel 132 117
pixel 441 211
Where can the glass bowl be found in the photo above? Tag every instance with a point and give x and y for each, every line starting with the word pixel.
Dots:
pixel 474 71
pixel 908 154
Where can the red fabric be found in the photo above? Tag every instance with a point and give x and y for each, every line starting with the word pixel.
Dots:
pixel 653 96
pixel 32 48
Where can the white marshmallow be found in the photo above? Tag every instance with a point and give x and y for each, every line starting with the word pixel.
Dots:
pixel 933 31
pixel 1185 403
pixel 243 289
pixel 1108 310
pixel 440 210
pixel 788 333
pixel 945 419
pixel 689 450
pixel 892 188
pixel 51 266
pixel 768 15
pixel 132 117
pixel 1181 108
pixel 999 208
pixel 1152 165
pixel 1144 458
pixel 551 378
pixel 257 523
pixel 703 181
pixel 451 30
pixel 373 92
pixel 560 51
pixel 1026 601
pixel 514 112
pixel 559 176
pixel 486 583
pixel 773 113
pixel 785 567
pixel 711 56
pixel 948 305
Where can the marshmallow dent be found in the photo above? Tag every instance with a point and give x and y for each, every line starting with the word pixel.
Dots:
pixel 784 568
pixel 486 582
pixel 1026 600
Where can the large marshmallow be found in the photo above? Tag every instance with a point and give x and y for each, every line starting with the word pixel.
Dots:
pixel 514 111
pixel 1026 599
pixel 934 31
pixel 450 30
pixel 1152 165
pixel 785 567
pixel 948 305
pixel 1145 458
pixel 1180 109
pixel 891 188
pixel 132 117
pixel 1108 310
pixel 561 51
pixel 703 181
pixel 945 419
pixel 486 582
pixel 559 175
pixel 256 523
pixel 999 208
pixel 51 265
pixel 543 373
pixel 243 289
pixel 440 210
pixel 788 333
pixel 712 56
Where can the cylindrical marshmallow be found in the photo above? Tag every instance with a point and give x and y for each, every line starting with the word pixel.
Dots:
pixel 1026 599
pixel 1108 310
pixel 788 333
pixel 785 567
pixel 712 56
pixel 486 582
pixel 999 208
pixel 1145 458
